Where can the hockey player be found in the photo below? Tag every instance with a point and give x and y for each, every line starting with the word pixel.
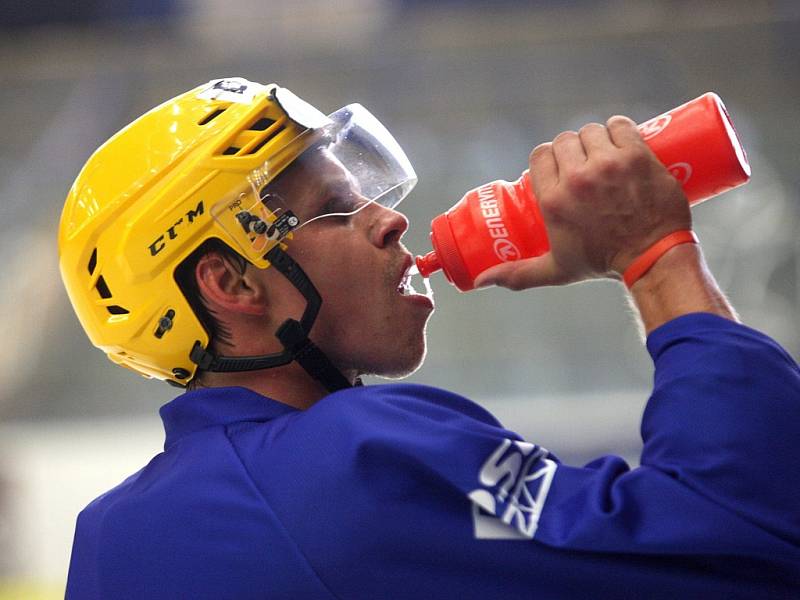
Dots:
pixel 237 242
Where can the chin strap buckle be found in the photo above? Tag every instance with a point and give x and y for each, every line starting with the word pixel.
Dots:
pixel 201 357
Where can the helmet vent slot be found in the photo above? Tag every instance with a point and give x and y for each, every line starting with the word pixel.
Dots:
pixel 231 150
pixel 211 116
pixel 260 144
pixel 261 125
pixel 93 261
pixel 102 288
pixel 117 310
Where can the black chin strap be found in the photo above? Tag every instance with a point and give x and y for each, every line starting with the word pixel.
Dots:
pixel 292 334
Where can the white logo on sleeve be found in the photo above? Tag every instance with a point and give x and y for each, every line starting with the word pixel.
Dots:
pixel 515 480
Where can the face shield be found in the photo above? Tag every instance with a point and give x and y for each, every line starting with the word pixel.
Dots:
pixel 353 162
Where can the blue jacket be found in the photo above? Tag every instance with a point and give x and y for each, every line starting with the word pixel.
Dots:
pixel 407 491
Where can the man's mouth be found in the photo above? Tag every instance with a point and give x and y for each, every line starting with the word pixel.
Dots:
pixel 409 277
pixel 405 287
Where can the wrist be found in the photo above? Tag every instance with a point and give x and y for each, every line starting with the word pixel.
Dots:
pixel 666 272
pixel 645 261
pixel 678 283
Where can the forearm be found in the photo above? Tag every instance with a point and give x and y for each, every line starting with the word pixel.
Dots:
pixel 679 283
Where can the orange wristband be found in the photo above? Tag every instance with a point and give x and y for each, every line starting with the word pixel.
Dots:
pixel 648 258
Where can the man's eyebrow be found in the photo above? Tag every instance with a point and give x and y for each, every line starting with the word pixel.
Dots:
pixel 338 186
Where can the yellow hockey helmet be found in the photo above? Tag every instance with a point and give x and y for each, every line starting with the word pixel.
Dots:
pixel 192 169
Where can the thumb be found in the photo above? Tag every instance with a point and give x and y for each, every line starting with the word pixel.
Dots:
pixel 538 271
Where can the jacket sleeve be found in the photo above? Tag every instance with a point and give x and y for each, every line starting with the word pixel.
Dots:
pixel 720 460
pixel 724 420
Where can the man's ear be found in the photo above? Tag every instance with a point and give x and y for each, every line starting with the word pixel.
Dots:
pixel 221 283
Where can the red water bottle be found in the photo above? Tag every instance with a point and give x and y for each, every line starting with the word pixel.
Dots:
pixel 500 221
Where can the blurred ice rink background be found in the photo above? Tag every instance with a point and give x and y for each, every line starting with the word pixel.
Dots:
pixel 468 88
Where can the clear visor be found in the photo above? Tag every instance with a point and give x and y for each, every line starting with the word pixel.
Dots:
pixel 354 162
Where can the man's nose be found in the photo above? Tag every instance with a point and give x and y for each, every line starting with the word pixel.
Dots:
pixel 388 226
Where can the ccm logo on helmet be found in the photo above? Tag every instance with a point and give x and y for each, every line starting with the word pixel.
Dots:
pixel 504 248
pixel 170 234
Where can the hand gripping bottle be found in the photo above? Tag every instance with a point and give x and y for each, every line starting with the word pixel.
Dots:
pixel 500 221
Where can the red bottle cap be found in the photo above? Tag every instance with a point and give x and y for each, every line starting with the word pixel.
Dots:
pixel 428 264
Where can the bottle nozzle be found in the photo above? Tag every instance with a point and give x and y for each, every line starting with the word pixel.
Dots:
pixel 428 264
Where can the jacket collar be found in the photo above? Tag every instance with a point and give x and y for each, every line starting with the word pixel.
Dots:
pixel 209 407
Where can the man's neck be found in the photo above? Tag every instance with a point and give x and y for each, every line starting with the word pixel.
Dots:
pixel 289 384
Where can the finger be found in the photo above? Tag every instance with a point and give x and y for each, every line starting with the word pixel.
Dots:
pixel 623 132
pixel 568 151
pixel 595 138
pixel 523 274
pixel 544 169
